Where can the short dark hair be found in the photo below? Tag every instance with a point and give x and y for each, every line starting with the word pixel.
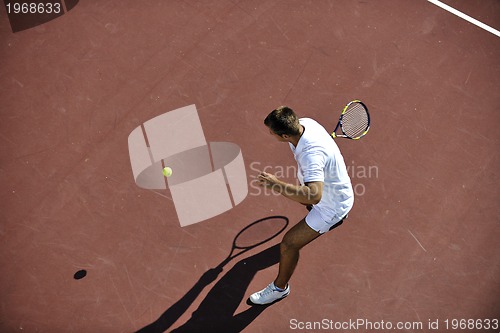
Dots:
pixel 283 121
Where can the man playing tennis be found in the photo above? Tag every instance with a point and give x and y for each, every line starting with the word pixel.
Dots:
pixel 325 189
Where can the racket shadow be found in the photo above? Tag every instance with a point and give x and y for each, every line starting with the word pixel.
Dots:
pixel 216 313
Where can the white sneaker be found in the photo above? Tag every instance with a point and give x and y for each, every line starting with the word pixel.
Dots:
pixel 269 294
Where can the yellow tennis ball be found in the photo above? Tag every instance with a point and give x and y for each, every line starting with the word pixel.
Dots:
pixel 167 171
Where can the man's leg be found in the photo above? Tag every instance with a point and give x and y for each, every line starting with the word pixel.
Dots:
pixel 301 234
pixel 292 242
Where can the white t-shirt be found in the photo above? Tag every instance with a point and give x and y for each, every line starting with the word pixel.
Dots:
pixel 319 159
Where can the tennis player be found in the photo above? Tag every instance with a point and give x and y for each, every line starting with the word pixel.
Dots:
pixel 325 188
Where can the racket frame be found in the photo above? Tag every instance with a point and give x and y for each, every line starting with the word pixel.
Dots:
pixel 339 124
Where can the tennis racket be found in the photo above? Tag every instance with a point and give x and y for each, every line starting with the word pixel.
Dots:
pixel 255 234
pixel 354 121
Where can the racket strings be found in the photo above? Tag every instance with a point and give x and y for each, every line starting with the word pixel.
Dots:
pixel 355 120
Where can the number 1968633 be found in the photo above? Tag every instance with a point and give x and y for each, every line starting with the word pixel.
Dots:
pixel 34 8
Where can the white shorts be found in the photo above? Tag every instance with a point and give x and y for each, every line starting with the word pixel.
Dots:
pixel 316 222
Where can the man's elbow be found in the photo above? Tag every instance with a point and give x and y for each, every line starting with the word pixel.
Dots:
pixel 315 199
pixel 315 193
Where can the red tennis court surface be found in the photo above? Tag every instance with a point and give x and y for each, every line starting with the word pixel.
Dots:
pixel 420 246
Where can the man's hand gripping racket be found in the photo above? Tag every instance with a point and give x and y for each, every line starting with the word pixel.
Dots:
pixel 354 121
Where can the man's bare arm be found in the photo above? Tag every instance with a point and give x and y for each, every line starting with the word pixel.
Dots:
pixel 308 194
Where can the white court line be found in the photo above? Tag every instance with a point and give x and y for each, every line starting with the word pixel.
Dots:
pixel 465 17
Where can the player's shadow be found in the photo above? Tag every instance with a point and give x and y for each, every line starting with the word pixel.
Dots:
pixel 216 313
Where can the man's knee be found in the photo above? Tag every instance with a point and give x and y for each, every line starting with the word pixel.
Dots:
pixel 290 242
pixel 297 237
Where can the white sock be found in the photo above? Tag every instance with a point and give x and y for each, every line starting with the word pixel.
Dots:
pixel 278 289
